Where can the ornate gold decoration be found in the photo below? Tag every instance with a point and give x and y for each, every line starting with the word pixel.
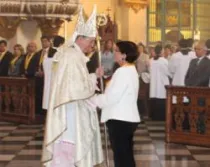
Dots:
pixel 50 14
pixel 49 27
pixel 8 26
pixel 101 20
pixel 136 5
pixel 39 8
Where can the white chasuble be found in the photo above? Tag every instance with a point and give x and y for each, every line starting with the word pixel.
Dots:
pixel 47 66
pixel 70 117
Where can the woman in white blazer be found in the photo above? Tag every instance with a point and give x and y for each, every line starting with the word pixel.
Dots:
pixel 119 104
pixel 159 78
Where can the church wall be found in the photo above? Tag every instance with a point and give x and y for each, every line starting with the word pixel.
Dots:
pixel 27 31
pixel 131 25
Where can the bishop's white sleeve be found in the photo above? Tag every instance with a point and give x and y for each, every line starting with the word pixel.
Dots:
pixel 114 91
pixel 93 79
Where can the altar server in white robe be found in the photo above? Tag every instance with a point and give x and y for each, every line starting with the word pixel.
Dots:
pixel 47 69
pixel 159 78
pixel 58 41
pixel 45 57
pixel 179 63
pixel 72 135
pixel 191 44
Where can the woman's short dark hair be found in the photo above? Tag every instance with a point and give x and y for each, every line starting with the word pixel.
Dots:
pixel 130 49
pixel 58 40
pixel 158 50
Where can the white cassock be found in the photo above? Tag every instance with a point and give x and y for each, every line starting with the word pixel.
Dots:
pixel 178 66
pixel 47 67
pixel 70 116
pixel 158 77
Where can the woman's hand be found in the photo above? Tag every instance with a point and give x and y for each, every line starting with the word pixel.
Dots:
pixel 100 72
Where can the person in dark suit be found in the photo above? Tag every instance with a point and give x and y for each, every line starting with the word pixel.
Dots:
pixel 16 62
pixel 29 64
pixel 93 62
pixel 43 72
pixel 198 73
pixel 5 58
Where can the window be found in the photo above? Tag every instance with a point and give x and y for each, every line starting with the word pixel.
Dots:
pixel 171 20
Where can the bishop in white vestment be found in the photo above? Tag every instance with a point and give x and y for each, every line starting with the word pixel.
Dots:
pixel 72 134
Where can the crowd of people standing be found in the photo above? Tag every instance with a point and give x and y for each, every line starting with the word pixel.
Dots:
pixel 188 65
pixel 31 63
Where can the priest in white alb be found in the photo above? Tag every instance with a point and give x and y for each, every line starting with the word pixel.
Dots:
pixel 72 134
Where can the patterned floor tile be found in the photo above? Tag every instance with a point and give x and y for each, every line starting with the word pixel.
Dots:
pixel 24 163
pixel 6 157
pixel 30 152
pixel 7 128
pixel 17 138
pixel 28 157
pixel 172 152
pixel 3 163
pixel 202 157
pixel 176 157
pixel 34 142
pixel 154 163
pixel 174 163
pixel 3 134
pixel 144 147
pixel 21 146
pixel 150 157
pixel 204 163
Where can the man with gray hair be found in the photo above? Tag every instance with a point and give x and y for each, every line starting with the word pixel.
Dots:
pixel 72 134
pixel 198 73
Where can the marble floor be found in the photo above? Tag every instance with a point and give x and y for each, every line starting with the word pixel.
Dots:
pixel 20 146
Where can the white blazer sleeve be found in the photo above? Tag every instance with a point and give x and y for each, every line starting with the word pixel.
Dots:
pixel 114 91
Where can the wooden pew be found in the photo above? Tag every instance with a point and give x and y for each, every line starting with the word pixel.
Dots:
pixel 17 100
pixel 188 115
pixel 144 98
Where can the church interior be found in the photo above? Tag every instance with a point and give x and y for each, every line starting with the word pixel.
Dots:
pixel 181 139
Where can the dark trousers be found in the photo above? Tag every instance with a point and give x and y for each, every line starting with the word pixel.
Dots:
pixel 158 109
pixel 39 94
pixel 121 138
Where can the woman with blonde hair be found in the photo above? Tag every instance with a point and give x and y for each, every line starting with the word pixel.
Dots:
pixel 107 58
pixel 16 62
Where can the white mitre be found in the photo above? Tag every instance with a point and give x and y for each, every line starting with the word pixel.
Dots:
pixel 83 28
